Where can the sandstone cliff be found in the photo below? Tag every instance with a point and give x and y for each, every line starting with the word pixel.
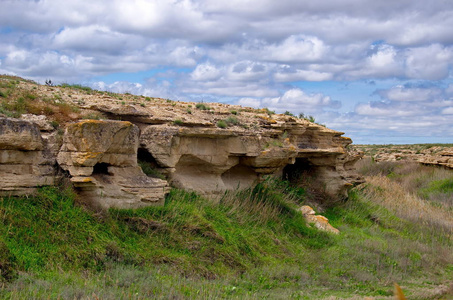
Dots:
pixel 428 154
pixel 97 139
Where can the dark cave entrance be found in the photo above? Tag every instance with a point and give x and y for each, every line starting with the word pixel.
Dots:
pixel 149 164
pixel 101 168
pixel 302 168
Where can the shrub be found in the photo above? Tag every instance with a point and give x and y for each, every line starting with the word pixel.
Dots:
pixel 269 112
pixel 178 122
pixel 232 120
pixel 202 106
pixel 222 124
pixel 288 113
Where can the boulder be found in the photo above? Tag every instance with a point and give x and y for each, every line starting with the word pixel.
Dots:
pixel 317 221
pixel 101 158
pixel 24 163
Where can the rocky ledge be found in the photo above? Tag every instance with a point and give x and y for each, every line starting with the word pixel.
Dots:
pixel 105 141
pixel 428 154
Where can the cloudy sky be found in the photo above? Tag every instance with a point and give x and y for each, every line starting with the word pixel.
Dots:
pixel 381 71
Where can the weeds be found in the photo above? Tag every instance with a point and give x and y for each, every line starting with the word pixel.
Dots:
pixel 202 106
pixel 222 124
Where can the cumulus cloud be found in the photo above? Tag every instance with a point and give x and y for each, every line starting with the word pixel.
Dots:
pixel 402 93
pixel 430 62
pixel 447 111
pixel 302 75
pixel 259 53
pixel 294 100
pixel 205 72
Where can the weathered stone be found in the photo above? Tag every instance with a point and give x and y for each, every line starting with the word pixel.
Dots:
pixel 184 144
pixel 101 157
pixel 40 120
pixel 19 135
pixel 318 221
pixel 23 162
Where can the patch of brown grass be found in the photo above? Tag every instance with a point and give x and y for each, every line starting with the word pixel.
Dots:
pixel 395 186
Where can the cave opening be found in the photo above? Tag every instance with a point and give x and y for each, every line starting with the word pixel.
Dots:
pixel 101 168
pixel 149 164
pixel 302 168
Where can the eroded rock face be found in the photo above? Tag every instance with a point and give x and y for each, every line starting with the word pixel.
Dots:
pixel 422 153
pixel 182 140
pixel 210 161
pixel 25 162
pixel 101 157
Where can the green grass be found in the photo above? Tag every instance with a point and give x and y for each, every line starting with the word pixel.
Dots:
pixel 249 244
pixel 202 106
pixel 222 124
pixel 77 86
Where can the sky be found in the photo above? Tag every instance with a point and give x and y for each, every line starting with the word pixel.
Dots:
pixel 380 71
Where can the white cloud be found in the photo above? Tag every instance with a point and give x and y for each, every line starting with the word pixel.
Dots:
pixel 247 71
pixel 250 102
pixel 302 75
pixel 386 110
pixel 447 111
pixel 401 93
pixel 205 72
pixel 296 49
pixel 430 62
pixel 257 51
pixel 293 100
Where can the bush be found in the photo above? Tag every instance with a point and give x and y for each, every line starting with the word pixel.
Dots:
pixel 232 120
pixel 178 122
pixel 288 113
pixel 202 106
pixel 222 124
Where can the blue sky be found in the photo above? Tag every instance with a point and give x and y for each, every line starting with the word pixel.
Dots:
pixel 380 71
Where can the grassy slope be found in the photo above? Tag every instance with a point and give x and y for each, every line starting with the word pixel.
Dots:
pixel 251 244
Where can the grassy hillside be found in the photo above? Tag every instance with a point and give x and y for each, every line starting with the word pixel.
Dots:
pixel 247 245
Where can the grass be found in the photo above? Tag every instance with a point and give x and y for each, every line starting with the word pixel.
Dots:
pixel 222 124
pixel 248 244
pixel 202 106
pixel 17 101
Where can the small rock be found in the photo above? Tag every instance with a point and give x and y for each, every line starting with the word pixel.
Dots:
pixel 318 221
pixel 307 210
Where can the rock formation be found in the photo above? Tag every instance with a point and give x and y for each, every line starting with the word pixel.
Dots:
pixel 439 155
pixel 183 141
pixel 317 221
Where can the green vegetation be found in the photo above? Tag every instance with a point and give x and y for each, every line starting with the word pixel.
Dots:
pixel 202 106
pixel 222 124
pixel 288 113
pixel 77 87
pixel 232 120
pixel 178 122
pixel 92 116
pixel 247 244
pixel 150 170
pixel 16 101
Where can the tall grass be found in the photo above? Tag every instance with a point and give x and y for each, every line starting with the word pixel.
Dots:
pixel 249 244
pixel 422 194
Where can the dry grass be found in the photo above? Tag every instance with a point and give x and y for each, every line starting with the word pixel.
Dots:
pixel 393 196
pixel 398 186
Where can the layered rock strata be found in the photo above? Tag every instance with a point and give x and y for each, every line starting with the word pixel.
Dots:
pixel 207 149
pixel 421 153
pixel 25 158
